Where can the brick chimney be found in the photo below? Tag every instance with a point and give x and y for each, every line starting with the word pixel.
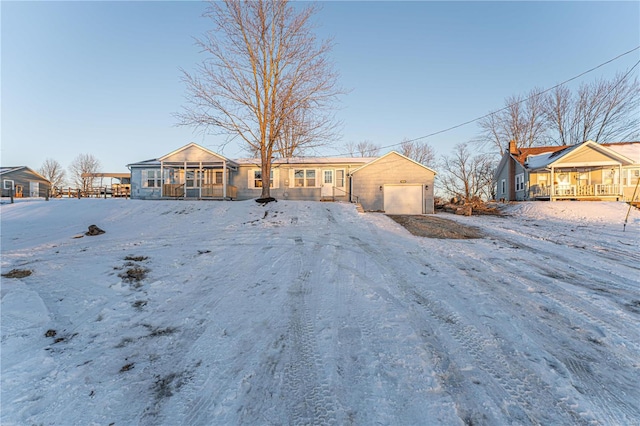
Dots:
pixel 513 149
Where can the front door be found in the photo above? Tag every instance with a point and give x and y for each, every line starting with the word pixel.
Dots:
pixel 327 183
pixel 34 189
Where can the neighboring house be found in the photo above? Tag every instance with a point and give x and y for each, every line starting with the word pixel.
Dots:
pixel 585 171
pixel 24 182
pixel 391 183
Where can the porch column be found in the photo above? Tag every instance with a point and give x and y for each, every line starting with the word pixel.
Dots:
pixel 224 179
pixel 620 191
pixel 161 179
pixel 184 185
pixel 553 191
pixel 199 179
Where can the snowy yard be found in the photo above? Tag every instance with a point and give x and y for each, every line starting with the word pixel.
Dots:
pixel 201 313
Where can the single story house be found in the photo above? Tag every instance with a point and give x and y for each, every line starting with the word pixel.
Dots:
pixel 24 182
pixel 585 171
pixel 392 183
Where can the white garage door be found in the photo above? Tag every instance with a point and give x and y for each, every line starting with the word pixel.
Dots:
pixel 403 199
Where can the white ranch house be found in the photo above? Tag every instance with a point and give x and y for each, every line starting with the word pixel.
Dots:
pixel 391 183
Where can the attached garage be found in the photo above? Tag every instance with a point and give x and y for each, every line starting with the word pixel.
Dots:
pixel 403 199
pixel 393 184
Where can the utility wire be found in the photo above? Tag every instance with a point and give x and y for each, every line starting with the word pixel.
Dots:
pixel 622 80
pixel 508 106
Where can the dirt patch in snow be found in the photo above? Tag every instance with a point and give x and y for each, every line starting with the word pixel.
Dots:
pixel 17 273
pixel 436 227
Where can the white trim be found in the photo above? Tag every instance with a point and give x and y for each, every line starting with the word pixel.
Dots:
pixel 519 182
pixel 157 178
pixel 195 145
pixel 4 183
pixel 305 179
pixel 251 178
pixel 398 154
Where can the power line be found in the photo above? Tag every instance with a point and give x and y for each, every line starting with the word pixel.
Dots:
pixel 510 105
pixel 622 80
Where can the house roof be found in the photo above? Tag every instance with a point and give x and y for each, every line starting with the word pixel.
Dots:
pixel 8 169
pixel 195 145
pixel 398 154
pixel 630 150
pixel 524 153
pixel 157 161
pixel 5 169
pixel 308 160
pixel 152 162
pixel 549 155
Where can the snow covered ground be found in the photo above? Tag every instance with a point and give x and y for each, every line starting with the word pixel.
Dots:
pixel 310 313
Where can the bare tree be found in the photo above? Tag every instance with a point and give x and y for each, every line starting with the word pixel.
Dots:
pixel 604 110
pixel 362 149
pixel 465 175
pixel 265 79
pixel 53 172
pixel 83 163
pixel 522 120
pixel 302 132
pixel 420 152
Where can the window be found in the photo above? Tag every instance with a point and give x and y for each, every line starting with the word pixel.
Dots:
pixel 255 179
pixel 304 178
pixel 503 186
pixel 340 178
pixel 151 178
pixel 8 184
pixel 520 182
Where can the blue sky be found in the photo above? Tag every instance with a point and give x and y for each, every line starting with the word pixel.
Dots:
pixel 104 77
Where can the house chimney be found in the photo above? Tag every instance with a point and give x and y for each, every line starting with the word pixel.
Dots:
pixel 513 149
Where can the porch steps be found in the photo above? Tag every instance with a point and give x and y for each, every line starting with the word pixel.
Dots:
pixel 359 208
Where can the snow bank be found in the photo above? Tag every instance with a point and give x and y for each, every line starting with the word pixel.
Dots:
pixel 570 211
pixel 202 313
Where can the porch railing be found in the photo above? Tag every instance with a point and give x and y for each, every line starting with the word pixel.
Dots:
pixel 216 191
pixel 575 190
pixel 206 191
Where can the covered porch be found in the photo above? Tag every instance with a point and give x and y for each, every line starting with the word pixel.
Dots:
pixel 197 180
pixel 577 183
pixel 194 172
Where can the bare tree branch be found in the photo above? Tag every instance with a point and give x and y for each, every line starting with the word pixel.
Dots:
pixel 604 110
pixel 266 79
pixel 53 172
pixel 362 149
pixel 420 152
pixel 521 120
pixel 465 175
pixel 84 163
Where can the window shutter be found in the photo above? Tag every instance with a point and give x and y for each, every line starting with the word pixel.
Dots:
pixel 250 176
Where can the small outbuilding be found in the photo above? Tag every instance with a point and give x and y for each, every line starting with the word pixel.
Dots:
pixel 394 184
pixel 24 182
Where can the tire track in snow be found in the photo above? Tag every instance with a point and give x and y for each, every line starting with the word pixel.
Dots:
pixel 514 379
pixel 226 379
pixel 308 392
pixel 597 391
pixel 577 305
